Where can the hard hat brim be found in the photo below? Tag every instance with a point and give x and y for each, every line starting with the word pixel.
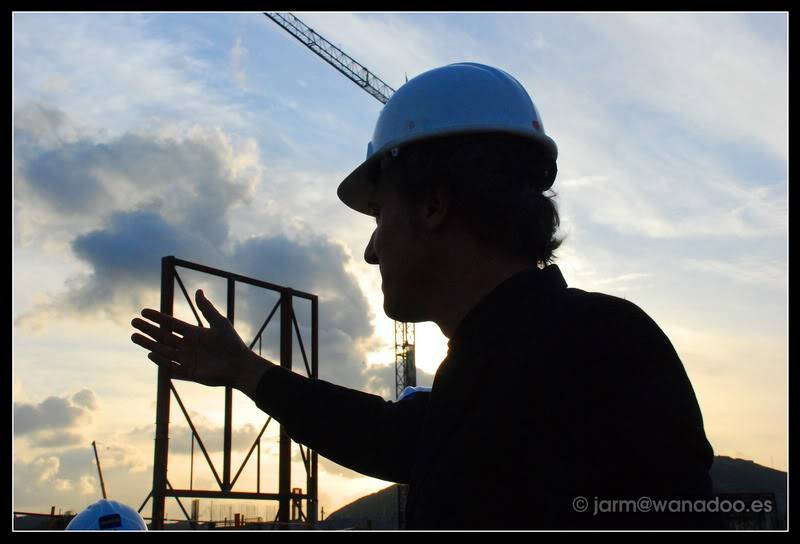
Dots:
pixel 357 188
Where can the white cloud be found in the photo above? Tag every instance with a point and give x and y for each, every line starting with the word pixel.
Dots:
pixel 709 71
pixel 753 270
pixel 69 481
pixel 62 485
pixel 652 139
pixel 44 468
pixel 114 79
pixel 624 278
pixel 87 485
pixel 238 56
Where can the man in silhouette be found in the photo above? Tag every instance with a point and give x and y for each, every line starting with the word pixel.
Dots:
pixel 554 407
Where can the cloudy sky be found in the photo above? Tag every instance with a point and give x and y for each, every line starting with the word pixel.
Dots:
pixel 220 139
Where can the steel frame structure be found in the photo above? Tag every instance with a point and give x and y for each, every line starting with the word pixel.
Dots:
pixel 287 497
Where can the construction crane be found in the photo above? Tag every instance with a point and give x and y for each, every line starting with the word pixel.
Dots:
pixel 334 56
pixel 100 472
pixel 404 333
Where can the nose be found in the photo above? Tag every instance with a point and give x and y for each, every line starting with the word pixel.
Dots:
pixel 369 254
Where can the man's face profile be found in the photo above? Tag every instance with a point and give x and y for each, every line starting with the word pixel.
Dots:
pixel 396 247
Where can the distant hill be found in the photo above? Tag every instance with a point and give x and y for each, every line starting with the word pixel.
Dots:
pixel 377 511
pixel 730 476
pixel 741 476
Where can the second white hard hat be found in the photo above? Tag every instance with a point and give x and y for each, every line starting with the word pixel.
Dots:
pixel 460 98
pixel 107 515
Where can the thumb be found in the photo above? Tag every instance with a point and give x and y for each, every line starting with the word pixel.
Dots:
pixel 211 314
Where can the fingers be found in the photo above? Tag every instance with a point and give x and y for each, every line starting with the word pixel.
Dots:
pixel 168 321
pixel 162 335
pixel 164 350
pixel 176 370
pixel 157 348
pixel 209 311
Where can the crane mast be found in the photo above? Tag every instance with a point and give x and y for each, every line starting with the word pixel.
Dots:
pixel 404 333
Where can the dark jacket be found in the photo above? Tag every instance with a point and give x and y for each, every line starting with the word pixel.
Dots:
pixel 547 394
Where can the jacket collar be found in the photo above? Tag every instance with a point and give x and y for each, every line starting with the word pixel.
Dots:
pixel 503 302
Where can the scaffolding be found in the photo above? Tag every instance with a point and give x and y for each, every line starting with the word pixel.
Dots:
pixel 287 497
pixel 404 363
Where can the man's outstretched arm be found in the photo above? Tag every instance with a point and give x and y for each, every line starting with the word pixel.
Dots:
pixel 358 430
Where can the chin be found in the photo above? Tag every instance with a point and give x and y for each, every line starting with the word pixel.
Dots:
pixel 403 312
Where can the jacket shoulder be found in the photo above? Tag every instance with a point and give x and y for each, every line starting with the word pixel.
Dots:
pixel 593 313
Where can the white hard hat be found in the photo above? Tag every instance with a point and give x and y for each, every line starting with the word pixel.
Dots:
pixel 107 515
pixel 455 99
pixel 410 391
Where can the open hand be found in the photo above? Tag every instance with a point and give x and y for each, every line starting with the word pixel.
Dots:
pixel 211 356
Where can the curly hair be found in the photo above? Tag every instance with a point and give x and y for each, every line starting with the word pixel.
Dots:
pixel 496 183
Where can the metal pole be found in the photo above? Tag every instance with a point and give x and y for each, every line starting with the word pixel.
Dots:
pixel 285 449
pixel 226 474
pixel 312 501
pixel 161 453
pixel 100 472
pixel 258 467
pixel 191 464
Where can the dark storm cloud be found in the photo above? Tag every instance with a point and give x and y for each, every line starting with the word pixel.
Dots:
pixel 314 265
pixel 166 197
pixel 197 177
pixel 63 178
pixel 85 398
pixel 126 256
pixel 52 413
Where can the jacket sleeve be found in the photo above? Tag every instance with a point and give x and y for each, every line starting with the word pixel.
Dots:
pixel 357 430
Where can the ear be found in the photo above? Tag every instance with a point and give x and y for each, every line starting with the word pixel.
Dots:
pixel 436 209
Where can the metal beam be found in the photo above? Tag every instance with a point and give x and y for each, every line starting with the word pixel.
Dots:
pixel 285 447
pixel 204 494
pixel 312 481
pixel 226 469
pixel 161 452
pixel 237 277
